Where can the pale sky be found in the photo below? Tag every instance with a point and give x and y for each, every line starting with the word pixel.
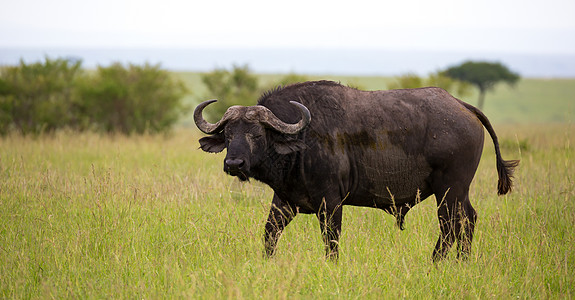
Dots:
pixel 525 26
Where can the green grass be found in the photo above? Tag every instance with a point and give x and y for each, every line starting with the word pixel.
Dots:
pixel 90 216
pixel 531 101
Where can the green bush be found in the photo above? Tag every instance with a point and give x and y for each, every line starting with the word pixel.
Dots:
pixel 230 87
pixel 238 86
pixel 406 81
pixel 57 93
pixel 39 97
pixel 132 99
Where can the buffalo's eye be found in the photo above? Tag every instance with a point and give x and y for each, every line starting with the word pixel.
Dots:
pixel 255 133
pixel 254 136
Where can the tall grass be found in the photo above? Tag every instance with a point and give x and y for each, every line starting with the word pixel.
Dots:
pixel 90 216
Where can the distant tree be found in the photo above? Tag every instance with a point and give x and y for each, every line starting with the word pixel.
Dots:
pixel 483 75
pixel 230 87
pixel 410 81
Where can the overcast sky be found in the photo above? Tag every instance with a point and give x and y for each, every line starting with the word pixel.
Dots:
pixel 524 26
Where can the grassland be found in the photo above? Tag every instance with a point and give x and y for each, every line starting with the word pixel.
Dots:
pixel 91 216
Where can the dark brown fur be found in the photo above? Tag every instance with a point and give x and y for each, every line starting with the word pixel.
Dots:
pixel 382 149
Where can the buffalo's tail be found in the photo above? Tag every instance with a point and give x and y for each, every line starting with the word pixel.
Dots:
pixel 505 168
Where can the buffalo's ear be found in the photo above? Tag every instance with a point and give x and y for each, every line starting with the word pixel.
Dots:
pixel 289 146
pixel 214 144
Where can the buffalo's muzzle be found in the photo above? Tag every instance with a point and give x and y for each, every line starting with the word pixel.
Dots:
pixel 236 167
pixel 234 164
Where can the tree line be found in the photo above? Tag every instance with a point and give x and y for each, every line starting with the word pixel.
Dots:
pixel 57 93
pixel 43 97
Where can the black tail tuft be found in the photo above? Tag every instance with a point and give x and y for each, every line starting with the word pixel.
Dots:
pixel 505 170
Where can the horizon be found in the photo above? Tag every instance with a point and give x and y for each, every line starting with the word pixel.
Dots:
pixel 355 62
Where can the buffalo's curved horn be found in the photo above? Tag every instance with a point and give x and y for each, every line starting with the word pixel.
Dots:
pixel 267 117
pixel 209 128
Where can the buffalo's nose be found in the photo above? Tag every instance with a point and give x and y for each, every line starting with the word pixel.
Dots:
pixel 234 164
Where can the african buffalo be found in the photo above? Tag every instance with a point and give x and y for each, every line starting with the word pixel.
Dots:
pixel 321 145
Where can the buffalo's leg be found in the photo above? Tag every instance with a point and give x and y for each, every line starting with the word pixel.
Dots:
pixel 330 224
pixel 456 221
pixel 279 217
pixel 446 227
pixel 466 227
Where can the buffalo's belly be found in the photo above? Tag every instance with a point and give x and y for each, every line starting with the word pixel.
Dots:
pixel 394 178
